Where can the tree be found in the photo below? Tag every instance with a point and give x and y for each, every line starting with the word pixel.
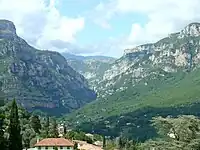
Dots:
pixel 120 143
pixel 46 128
pixel 2 117
pixel 65 129
pixel 181 133
pixel 15 138
pixel 27 135
pixel 2 140
pixel 75 146
pixel 54 130
pixel 104 142
pixel 35 123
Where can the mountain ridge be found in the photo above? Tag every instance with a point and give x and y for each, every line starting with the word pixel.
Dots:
pixel 149 75
pixel 39 79
pixel 91 67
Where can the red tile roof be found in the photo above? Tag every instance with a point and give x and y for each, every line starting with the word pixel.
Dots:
pixel 55 142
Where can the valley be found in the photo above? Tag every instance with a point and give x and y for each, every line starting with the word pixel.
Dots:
pixel 143 82
pixel 105 95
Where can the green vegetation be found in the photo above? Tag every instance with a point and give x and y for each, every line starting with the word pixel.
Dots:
pixel 15 138
pixel 181 133
pixel 173 93
pixel 20 129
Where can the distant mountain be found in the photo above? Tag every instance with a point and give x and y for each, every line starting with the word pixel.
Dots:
pixel 91 67
pixel 160 78
pixel 39 79
pixel 79 57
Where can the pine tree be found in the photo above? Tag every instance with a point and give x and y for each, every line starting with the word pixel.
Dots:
pixel 15 138
pixel 35 123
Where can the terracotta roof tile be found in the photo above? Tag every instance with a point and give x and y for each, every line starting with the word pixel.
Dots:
pixel 54 142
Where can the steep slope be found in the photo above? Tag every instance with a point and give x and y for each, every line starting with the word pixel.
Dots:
pixel 149 78
pixel 178 51
pixel 39 79
pixel 91 67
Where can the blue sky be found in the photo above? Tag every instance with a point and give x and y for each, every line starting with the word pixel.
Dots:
pixel 97 27
pixel 94 33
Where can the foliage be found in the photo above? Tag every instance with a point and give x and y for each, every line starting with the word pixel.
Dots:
pixel 45 128
pixel 78 135
pixel 75 146
pixel 181 133
pixel 104 142
pixel 15 138
pixel 164 95
pixel 35 123
pixel 53 132
pixel 2 139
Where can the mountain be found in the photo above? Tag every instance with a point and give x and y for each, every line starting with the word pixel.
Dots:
pixel 79 57
pixel 153 79
pixel 91 67
pixel 39 79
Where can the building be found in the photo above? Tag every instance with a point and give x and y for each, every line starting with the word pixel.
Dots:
pixel 54 144
pixel 61 130
pixel 82 145
pixel 98 143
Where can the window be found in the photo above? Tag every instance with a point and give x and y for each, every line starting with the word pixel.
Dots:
pixel 39 148
pixel 46 147
pixel 61 147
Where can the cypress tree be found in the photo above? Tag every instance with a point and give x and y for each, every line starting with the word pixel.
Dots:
pixel 47 127
pixel 15 138
pixel 104 142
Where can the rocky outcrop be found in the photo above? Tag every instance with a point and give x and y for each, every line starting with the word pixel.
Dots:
pixel 7 30
pixel 39 79
pixel 178 51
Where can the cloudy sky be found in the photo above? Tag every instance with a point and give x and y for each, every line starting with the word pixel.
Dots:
pixel 97 27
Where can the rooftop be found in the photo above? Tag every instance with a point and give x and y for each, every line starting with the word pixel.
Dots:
pixel 86 146
pixel 54 142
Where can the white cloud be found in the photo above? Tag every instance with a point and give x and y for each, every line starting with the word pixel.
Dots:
pixel 163 17
pixel 102 13
pixel 41 23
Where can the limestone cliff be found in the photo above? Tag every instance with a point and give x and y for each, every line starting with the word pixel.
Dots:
pixel 39 79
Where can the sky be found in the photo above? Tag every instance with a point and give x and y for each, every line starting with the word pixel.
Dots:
pixel 97 27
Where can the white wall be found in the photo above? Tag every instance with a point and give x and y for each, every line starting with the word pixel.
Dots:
pixel 51 148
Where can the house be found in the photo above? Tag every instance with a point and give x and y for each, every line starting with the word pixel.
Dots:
pixel 82 145
pixel 98 143
pixel 61 130
pixel 54 144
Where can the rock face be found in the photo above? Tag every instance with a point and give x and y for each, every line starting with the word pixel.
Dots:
pixel 91 67
pixel 39 79
pixel 178 51
pixel 156 79
pixel 7 30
